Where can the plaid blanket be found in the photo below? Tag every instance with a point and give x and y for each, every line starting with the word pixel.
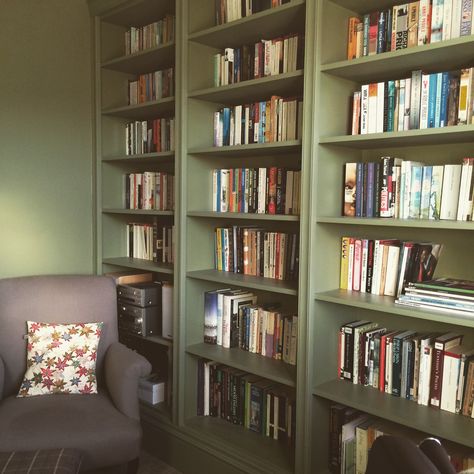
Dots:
pixel 42 461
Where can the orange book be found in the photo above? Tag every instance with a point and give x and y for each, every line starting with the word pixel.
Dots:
pixel 352 37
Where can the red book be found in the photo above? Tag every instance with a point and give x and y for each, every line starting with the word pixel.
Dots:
pixel 442 343
pixel 272 190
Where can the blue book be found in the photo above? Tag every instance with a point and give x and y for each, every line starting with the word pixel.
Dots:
pixel 226 123
pixel 443 119
pixel 415 192
pixel 370 185
pixel 359 189
pixel 210 317
pixel 261 124
pixel 391 106
pixel 432 100
pixel 242 190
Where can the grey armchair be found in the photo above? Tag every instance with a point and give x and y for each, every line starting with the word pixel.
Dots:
pixel 105 427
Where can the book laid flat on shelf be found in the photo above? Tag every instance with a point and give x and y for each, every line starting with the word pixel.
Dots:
pixel 430 369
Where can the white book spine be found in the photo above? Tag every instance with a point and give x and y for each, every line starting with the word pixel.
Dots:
pixel 425 92
pixel 456 19
pixel 380 107
pixel 450 192
pixel 392 270
pixel 364 110
pixel 365 257
pixel 447 19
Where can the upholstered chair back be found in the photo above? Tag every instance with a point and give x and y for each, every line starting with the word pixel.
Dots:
pixel 52 299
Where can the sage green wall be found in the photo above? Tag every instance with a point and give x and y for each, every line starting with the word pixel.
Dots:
pixel 46 166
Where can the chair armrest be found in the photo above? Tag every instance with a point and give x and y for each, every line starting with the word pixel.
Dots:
pixel 123 368
pixel 2 377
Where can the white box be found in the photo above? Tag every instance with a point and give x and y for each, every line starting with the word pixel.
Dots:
pixel 151 389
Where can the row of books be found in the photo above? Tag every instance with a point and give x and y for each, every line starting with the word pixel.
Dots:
pixel 151 86
pixel 265 58
pixel 149 190
pixel 149 136
pixel 256 190
pixel 418 102
pixel 409 24
pixel 405 189
pixel 253 251
pixel 441 294
pixel 150 36
pixel 431 369
pixel 352 434
pixel 232 318
pixel 231 10
pixel 275 120
pixel 385 266
pixel 245 399
pixel 150 242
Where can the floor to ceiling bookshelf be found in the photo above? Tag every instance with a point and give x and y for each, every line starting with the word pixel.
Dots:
pixel 326 83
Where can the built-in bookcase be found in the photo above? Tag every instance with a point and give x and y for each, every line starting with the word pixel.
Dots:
pixel 251 452
pixel 336 80
pixel 113 70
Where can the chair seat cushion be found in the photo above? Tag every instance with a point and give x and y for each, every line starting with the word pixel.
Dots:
pixel 42 461
pixel 88 423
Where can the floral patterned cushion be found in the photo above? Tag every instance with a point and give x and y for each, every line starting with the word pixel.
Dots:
pixel 61 358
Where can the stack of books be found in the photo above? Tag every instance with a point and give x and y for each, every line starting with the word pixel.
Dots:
pixel 149 36
pixel 441 294
pixel 149 190
pixel 148 136
pixel 152 86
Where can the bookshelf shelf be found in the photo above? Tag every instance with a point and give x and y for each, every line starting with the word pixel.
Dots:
pixel 257 452
pixel 139 264
pixel 155 157
pixel 386 304
pixel 242 215
pixel 267 23
pixel 254 149
pixel 266 367
pixel 142 111
pixel 248 91
pixel 247 281
pixel 429 136
pixel 442 56
pixel 440 423
pixel 411 223
pixel 141 12
pixel 138 212
pixel 143 61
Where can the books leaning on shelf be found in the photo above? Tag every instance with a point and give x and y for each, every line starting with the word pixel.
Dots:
pixel 409 24
pixel 149 136
pixel 150 242
pixel 352 434
pixel 149 190
pixel 275 120
pixel 231 10
pixel 427 368
pixel 244 399
pixel 405 189
pixel 253 251
pixel 151 86
pixel 385 266
pixel 256 190
pixel 150 36
pixel 417 102
pixel 233 319
pixel 441 294
pixel 265 58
